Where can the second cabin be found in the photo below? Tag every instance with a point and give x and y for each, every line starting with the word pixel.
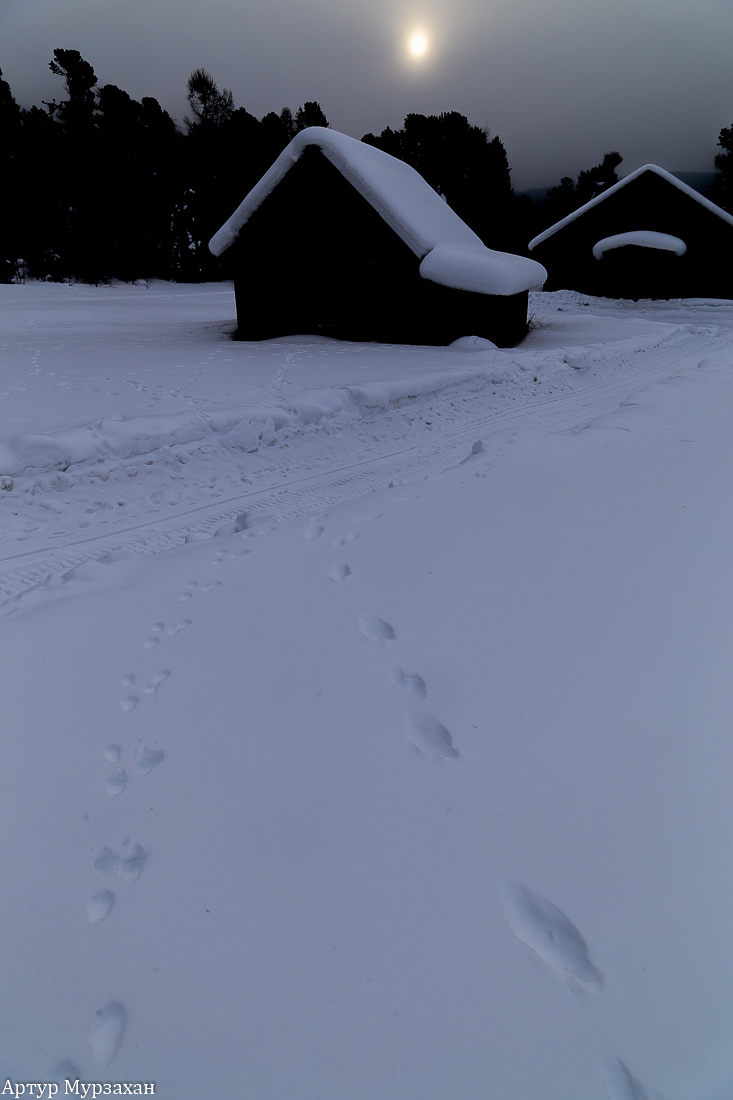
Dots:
pixel 648 236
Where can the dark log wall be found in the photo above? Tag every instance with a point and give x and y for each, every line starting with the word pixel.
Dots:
pixel 648 202
pixel 317 258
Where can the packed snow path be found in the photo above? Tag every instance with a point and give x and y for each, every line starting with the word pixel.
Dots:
pixel 131 420
pixel 421 794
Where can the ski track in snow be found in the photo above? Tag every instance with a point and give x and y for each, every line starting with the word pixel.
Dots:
pixel 393 446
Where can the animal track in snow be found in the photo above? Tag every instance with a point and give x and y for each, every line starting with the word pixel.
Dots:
pixel 155 681
pixel 542 926
pixel 338 571
pixel 127 680
pixel 146 760
pixel 99 906
pixel 410 681
pixel 376 629
pixel 131 861
pixel 210 586
pixel 129 865
pixel 622 1085
pixel 171 631
pixel 112 753
pixel 105 861
pixel 428 735
pixel 312 532
pixel 65 1070
pixel 115 783
pixel 106 1031
pixel 343 539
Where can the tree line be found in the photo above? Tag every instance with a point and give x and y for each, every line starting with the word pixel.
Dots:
pixel 101 186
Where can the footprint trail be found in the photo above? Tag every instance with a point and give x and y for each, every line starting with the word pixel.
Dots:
pixel 132 862
pixel 376 630
pixel 146 760
pixel 106 1031
pixel 99 906
pixel 409 681
pixel 116 782
pixel 550 933
pixel 155 681
pixel 175 628
pixel 338 571
pixel 105 861
pixel 428 735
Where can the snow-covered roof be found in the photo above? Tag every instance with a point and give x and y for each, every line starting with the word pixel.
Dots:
pixel 683 187
pixel 642 238
pixel 451 253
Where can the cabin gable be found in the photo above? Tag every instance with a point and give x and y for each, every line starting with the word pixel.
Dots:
pixel 340 239
pixel 652 204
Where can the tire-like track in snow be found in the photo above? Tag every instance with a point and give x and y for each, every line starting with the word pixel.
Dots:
pixel 304 494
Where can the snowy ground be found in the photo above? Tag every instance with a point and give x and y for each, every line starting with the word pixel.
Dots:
pixel 367 710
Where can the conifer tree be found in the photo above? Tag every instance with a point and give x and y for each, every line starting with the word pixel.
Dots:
pixel 463 163
pixel 721 189
pixel 209 106
pixel 310 114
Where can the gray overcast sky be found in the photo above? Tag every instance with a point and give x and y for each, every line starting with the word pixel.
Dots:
pixel 560 81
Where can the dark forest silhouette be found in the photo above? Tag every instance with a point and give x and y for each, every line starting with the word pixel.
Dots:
pixel 101 186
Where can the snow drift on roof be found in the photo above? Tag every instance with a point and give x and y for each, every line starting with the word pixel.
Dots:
pixel 642 238
pixel 452 254
pixel 622 183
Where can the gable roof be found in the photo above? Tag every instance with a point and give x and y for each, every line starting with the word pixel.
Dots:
pixel 683 187
pixel 451 253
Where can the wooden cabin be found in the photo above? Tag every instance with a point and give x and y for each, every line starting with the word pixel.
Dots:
pixel 648 236
pixel 338 238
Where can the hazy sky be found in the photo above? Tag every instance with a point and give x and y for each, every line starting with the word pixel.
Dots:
pixel 560 81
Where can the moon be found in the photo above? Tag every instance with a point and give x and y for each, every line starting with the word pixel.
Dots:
pixel 417 45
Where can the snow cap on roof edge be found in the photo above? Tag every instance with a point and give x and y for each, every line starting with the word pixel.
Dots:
pixel 640 238
pixel 409 205
pixel 686 190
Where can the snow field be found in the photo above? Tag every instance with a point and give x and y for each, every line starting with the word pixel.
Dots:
pixel 426 791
